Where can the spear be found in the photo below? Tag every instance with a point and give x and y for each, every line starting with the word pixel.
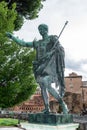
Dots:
pixel 63 28
pixel 60 34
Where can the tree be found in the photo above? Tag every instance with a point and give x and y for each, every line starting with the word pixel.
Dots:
pixel 17 82
pixel 7 18
pixel 27 9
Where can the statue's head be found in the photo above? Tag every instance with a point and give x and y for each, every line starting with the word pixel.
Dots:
pixel 43 28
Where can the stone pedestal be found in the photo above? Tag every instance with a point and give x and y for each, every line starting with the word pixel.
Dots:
pixel 41 121
pixel 51 118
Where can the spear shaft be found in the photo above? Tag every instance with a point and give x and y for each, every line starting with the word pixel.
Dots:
pixel 63 28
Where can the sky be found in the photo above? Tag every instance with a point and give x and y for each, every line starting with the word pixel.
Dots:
pixel 74 37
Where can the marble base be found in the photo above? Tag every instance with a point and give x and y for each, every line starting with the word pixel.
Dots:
pixel 30 126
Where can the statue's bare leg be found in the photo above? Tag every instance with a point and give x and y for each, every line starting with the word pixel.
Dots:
pixel 45 95
pixel 55 94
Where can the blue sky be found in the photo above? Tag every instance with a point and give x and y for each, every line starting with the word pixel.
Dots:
pixel 74 38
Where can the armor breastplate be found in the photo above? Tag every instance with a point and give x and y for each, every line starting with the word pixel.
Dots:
pixel 41 49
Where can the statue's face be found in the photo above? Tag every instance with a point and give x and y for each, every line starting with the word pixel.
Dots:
pixel 43 29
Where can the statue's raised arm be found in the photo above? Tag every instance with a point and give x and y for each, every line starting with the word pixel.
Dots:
pixel 18 41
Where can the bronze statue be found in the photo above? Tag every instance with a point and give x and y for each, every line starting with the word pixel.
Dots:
pixel 48 66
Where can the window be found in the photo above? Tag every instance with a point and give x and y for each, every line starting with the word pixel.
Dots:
pixel 70 79
pixel 71 85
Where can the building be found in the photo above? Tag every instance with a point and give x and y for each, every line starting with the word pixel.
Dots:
pixel 84 93
pixel 76 95
pixel 73 83
pixel 35 104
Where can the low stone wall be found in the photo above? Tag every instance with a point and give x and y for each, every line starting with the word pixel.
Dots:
pixel 20 116
pixel 82 120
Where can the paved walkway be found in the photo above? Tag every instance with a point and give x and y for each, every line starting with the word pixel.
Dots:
pixel 10 128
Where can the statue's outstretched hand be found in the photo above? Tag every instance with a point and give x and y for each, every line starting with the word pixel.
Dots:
pixel 8 34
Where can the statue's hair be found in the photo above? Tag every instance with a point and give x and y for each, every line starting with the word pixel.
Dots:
pixel 44 26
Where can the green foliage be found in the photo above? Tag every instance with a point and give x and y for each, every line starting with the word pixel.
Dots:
pixel 7 18
pixel 17 82
pixel 8 122
pixel 27 8
pixel 18 22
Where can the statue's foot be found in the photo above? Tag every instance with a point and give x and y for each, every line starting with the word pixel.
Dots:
pixel 46 111
pixel 65 109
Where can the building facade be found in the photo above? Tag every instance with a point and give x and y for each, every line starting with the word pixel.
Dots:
pixel 73 83
pixel 73 96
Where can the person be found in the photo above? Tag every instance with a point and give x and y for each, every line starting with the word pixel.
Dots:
pixel 48 66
